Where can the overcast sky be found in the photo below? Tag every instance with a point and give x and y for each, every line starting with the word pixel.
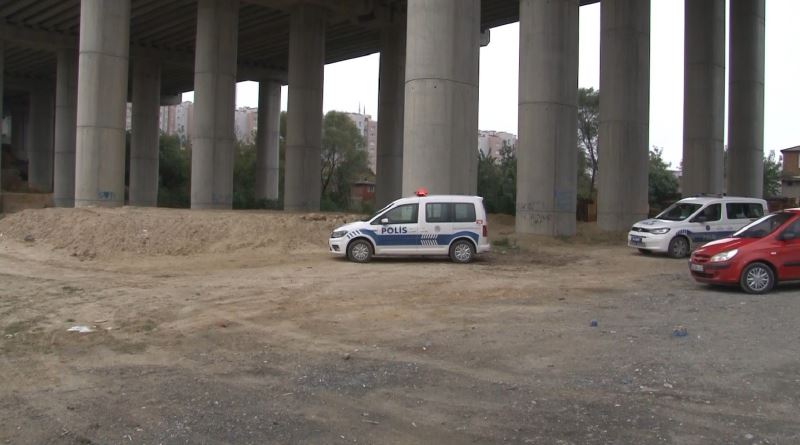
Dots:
pixel 354 83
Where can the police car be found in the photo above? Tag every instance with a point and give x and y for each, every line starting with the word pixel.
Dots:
pixel 455 226
pixel 692 222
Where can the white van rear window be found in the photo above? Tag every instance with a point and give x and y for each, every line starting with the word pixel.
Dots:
pixel 443 212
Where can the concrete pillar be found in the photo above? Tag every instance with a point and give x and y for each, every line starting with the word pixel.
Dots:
pixel 66 122
pixel 624 113
pixel 703 97
pixel 19 129
pixel 441 96
pixel 302 185
pixel 746 99
pixel 267 140
pixel 102 95
pixel 213 137
pixel 143 187
pixel 2 69
pixel 547 153
pixel 391 95
pixel 40 140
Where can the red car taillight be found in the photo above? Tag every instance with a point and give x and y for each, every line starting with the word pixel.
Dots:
pixel 485 231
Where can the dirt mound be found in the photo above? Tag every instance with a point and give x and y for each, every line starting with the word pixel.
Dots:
pixel 99 232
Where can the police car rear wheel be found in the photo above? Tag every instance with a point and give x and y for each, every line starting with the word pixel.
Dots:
pixel 359 251
pixel 462 251
pixel 679 247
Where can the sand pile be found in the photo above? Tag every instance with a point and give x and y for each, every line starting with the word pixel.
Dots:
pixel 99 232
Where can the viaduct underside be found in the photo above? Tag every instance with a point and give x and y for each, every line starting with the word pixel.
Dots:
pixel 68 68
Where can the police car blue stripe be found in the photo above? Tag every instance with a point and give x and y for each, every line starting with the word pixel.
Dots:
pixel 415 240
pixel 705 237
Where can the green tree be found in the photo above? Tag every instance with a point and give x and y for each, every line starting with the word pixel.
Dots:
pixel 584 178
pixel 772 175
pixel 663 184
pixel 344 160
pixel 174 165
pixel 497 181
pixel 588 131
pixel 244 176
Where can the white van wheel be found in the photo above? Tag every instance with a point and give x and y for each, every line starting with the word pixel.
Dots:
pixel 679 247
pixel 462 251
pixel 359 251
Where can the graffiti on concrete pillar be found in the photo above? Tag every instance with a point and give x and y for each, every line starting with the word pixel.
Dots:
pixel 564 200
pixel 535 213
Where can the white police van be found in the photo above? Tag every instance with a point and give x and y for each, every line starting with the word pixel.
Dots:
pixel 421 225
pixel 692 222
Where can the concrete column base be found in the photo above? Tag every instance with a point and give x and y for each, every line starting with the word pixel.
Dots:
pixel 746 99
pixel 703 97
pixel 624 114
pixel 391 96
pixel 102 103
pixel 547 154
pixel 441 97
pixel 143 187
pixel 303 184
pixel 40 139
pixel 66 122
pixel 213 138
pixel 267 141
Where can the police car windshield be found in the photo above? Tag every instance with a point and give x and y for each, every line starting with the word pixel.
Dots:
pixel 678 211
pixel 378 213
pixel 763 227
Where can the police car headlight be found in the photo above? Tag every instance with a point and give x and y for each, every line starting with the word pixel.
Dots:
pixel 660 231
pixel 724 256
pixel 338 233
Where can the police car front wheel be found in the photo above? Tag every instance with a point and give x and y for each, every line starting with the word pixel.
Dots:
pixel 679 247
pixel 359 251
pixel 462 251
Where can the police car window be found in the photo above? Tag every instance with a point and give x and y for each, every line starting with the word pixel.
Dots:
pixel 736 210
pixel 464 212
pixel 741 210
pixel 678 211
pixel 712 212
pixel 437 212
pixel 404 214
pixel 755 210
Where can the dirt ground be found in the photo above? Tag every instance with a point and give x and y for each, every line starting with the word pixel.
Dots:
pixel 224 327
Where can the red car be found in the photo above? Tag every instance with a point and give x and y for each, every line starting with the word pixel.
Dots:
pixel 758 256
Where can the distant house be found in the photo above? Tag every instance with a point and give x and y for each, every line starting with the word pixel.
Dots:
pixel 790 179
pixel 362 192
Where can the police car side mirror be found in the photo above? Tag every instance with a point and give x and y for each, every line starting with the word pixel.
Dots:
pixel 385 221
